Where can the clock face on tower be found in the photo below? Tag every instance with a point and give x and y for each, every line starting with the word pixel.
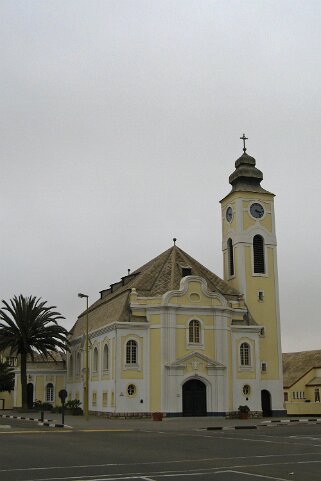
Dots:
pixel 229 214
pixel 257 210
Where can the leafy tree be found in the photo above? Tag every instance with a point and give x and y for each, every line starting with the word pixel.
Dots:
pixel 28 327
pixel 6 377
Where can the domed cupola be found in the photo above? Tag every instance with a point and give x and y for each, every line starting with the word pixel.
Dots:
pixel 246 177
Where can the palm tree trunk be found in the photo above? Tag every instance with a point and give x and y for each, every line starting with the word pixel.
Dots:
pixel 23 372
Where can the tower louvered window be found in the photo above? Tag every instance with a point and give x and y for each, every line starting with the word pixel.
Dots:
pixel 258 254
pixel 230 257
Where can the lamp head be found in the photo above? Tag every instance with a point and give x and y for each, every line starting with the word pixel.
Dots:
pixel 82 295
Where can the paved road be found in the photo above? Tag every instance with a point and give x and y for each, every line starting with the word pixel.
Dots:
pixel 156 454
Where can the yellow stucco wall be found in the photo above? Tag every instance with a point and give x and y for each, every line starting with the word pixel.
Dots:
pixel 40 382
pixel 155 370
pixel 6 400
pixel 303 408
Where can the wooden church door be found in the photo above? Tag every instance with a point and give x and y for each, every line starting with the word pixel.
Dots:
pixel 194 398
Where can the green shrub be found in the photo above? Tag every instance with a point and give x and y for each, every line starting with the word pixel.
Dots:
pixel 73 404
pixel 42 406
pixel 244 409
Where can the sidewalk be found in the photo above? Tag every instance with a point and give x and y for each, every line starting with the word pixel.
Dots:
pixel 102 423
pixel 135 424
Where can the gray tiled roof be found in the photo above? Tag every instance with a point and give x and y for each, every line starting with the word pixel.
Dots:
pixel 296 364
pixel 160 275
pixel 316 381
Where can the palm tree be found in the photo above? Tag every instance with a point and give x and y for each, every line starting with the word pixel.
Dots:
pixel 6 377
pixel 28 327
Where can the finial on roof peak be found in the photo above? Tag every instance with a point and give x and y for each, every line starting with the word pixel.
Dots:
pixel 174 240
pixel 244 139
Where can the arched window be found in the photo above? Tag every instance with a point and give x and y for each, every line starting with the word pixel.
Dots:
pixel 131 352
pixel 258 254
pixel 194 330
pixel 245 354
pixel 95 360
pixel 78 362
pixel 49 392
pixel 105 358
pixel 71 366
pixel 230 257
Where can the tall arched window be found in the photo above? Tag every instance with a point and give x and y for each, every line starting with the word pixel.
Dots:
pixel 78 362
pixel 105 358
pixel 258 254
pixel 245 354
pixel 95 359
pixel 194 329
pixel 131 352
pixel 49 392
pixel 230 257
pixel 71 365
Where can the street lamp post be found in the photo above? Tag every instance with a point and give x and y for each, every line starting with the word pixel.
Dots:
pixel 86 397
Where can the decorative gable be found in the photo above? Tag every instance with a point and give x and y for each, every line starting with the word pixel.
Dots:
pixel 195 363
pixel 193 289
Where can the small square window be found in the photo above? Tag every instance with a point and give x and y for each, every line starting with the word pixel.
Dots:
pixel 186 271
pixel 263 366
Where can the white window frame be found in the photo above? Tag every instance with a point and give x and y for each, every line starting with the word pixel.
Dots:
pixel 132 365
pixel 249 366
pixel 200 343
pixel 71 365
pixel 105 366
pixel 78 363
pixel 50 389
pixel 95 359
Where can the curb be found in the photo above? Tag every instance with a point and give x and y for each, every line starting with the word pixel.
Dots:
pixel 274 423
pixel 46 422
pixel 52 425
pixel 287 422
pixel 22 417
pixel 229 428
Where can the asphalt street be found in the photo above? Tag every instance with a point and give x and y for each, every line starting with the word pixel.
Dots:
pixel 151 452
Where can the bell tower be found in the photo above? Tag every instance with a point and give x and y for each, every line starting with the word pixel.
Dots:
pixel 250 264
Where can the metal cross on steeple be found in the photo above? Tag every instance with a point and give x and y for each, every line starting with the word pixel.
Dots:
pixel 244 139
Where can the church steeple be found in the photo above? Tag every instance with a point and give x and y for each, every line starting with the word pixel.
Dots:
pixel 250 263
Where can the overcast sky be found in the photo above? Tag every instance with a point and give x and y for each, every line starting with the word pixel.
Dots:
pixel 120 125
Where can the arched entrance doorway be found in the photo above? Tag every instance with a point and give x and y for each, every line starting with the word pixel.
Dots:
pixel 266 403
pixel 194 398
pixel 30 395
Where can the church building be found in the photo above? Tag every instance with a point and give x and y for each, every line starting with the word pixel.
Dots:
pixel 175 338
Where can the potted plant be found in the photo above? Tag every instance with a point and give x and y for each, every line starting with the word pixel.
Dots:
pixel 243 412
pixel 157 416
pixel 73 407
